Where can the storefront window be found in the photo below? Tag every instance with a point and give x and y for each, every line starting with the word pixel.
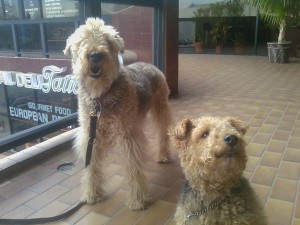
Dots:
pixel 60 8
pixel 4 125
pixel 34 99
pixel 2 17
pixel 6 40
pixel 32 9
pixel 11 8
pixel 29 37
pixel 57 34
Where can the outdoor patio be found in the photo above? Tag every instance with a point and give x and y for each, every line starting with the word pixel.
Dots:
pixel 266 96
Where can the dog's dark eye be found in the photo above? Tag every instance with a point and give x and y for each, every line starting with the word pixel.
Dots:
pixel 205 134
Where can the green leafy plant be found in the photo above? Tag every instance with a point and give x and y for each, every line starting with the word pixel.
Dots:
pixel 277 13
pixel 219 9
pixel 239 38
pixel 220 32
pixel 200 36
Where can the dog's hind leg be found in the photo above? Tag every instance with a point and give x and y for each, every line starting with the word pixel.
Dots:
pixel 162 117
pixel 134 155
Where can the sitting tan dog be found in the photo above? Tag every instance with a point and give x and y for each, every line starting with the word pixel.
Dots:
pixel 213 158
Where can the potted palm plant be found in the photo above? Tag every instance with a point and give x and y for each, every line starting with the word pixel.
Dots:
pixel 219 35
pixel 277 13
pixel 199 42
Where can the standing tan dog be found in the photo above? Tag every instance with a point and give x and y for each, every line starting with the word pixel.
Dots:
pixel 123 96
pixel 213 157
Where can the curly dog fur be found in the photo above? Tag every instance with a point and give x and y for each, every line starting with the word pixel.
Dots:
pixel 126 94
pixel 212 155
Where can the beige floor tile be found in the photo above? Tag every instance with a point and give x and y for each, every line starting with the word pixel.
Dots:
pixel 93 219
pixel 276 146
pixel 52 209
pixel 272 120
pixel 255 149
pixel 267 128
pixel 290 170
pixel 252 163
pixel 47 197
pixel 46 184
pixel 297 213
pixel 19 212
pixel 262 138
pixel 17 186
pixel 296 131
pixel 264 175
pixel 155 192
pixel 262 191
pixel 168 177
pixel 112 204
pixel 281 135
pixel 292 155
pixel 279 212
pixel 284 189
pixel 15 201
pixel 296 222
pixel 126 217
pixel 294 142
pixel 287 126
pixel 158 214
pixel 174 192
pixel 271 159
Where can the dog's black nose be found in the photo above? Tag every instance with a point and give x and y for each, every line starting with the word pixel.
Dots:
pixel 95 57
pixel 231 140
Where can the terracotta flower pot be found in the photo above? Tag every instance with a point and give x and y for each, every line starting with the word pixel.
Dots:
pixel 199 46
pixel 219 49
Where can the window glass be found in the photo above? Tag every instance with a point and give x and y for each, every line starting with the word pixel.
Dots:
pixel 4 125
pixel 60 8
pixel 32 9
pixel 11 8
pixel 6 39
pixel 138 37
pixel 57 34
pixel 2 17
pixel 29 37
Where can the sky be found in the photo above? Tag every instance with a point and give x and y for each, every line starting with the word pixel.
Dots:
pixel 186 3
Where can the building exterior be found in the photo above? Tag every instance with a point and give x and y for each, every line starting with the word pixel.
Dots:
pixel 36 82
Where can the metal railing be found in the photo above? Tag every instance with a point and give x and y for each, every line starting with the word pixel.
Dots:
pixel 36 132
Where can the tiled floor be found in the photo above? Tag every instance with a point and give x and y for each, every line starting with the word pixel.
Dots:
pixel 266 96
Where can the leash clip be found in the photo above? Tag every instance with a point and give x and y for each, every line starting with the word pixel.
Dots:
pixel 97 108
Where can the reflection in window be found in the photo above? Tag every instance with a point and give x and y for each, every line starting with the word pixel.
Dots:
pixel 60 8
pixel 4 124
pixel 6 39
pixel 29 37
pixel 11 9
pixel 57 34
pixel 32 9
pixel 138 38
pixel 2 17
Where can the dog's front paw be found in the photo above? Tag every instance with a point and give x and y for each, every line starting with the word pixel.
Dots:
pixel 91 199
pixel 136 205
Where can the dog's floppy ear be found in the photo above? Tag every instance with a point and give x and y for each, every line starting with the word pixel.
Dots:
pixel 239 125
pixel 116 43
pixel 180 134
